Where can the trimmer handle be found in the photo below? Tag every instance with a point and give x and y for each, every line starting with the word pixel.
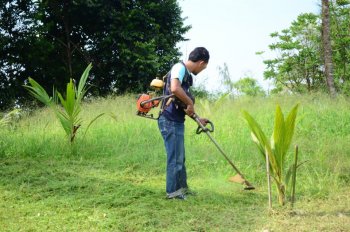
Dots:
pixel 201 127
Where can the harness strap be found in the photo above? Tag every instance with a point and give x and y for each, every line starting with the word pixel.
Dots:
pixel 167 82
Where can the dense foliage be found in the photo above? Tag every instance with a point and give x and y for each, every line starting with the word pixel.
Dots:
pixel 299 64
pixel 127 42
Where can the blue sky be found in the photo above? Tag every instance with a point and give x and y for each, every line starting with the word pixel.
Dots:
pixel 234 30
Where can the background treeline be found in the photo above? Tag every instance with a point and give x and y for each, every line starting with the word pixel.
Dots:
pixel 296 60
pixel 299 65
pixel 128 43
pixel 131 42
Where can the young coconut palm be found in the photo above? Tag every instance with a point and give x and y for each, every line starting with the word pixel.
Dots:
pixel 69 113
pixel 277 148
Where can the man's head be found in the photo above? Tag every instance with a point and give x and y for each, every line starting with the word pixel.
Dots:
pixel 199 58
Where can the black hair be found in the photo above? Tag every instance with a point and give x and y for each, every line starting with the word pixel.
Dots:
pixel 199 53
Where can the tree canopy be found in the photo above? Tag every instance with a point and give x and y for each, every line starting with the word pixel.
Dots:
pixel 248 86
pixel 299 63
pixel 128 42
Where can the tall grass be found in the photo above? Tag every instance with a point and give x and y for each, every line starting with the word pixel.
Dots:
pixel 116 179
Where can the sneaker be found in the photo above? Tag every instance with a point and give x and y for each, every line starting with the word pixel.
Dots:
pixel 178 197
pixel 176 193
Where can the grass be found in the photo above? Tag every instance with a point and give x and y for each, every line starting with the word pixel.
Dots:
pixel 114 178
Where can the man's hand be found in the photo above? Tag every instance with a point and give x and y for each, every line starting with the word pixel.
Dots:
pixel 189 110
pixel 203 121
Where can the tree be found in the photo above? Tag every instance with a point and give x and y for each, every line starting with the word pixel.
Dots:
pixel 17 40
pixel 128 43
pixel 226 81
pixel 298 65
pixel 249 87
pixel 340 34
pixel 327 47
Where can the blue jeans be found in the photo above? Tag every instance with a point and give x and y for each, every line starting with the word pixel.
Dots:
pixel 173 136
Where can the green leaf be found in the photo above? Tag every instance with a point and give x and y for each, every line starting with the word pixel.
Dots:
pixel 82 83
pixel 261 140
pixel 62 101
pixel 277 140
pixel 257 134
pixel 92 121
pixel 70 98
pixel 38 92
pixel 65 122
pixel 289 175
pixel 289 127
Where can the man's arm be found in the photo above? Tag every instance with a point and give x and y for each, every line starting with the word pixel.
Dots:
pixel 180 93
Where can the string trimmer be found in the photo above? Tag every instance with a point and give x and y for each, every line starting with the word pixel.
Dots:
pixel 238 178
pixel 146 102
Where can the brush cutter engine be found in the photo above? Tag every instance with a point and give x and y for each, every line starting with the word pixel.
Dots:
pixel 144 104
pixel 147 101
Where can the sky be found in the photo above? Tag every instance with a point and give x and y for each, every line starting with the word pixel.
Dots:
pixel 234 30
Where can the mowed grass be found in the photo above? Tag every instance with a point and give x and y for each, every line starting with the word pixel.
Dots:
pixel 113 179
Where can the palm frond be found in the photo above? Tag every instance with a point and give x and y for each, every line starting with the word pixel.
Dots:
pixel 290 127
pixel 38 92
pixel 264 144
pixel 82 83
pixel 277 140
pixel 65 121
pixel 70 98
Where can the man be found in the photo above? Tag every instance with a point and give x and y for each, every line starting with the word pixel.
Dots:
pixel 171 121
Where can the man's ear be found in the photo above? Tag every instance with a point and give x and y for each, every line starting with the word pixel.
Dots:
pixel 201 62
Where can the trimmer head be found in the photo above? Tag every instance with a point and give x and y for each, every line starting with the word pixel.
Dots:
pixel 248 186
pixel 240 180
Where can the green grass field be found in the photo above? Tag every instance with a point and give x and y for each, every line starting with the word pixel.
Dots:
pixel 113 179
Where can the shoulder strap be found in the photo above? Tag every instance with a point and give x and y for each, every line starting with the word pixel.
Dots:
pixel 188 77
